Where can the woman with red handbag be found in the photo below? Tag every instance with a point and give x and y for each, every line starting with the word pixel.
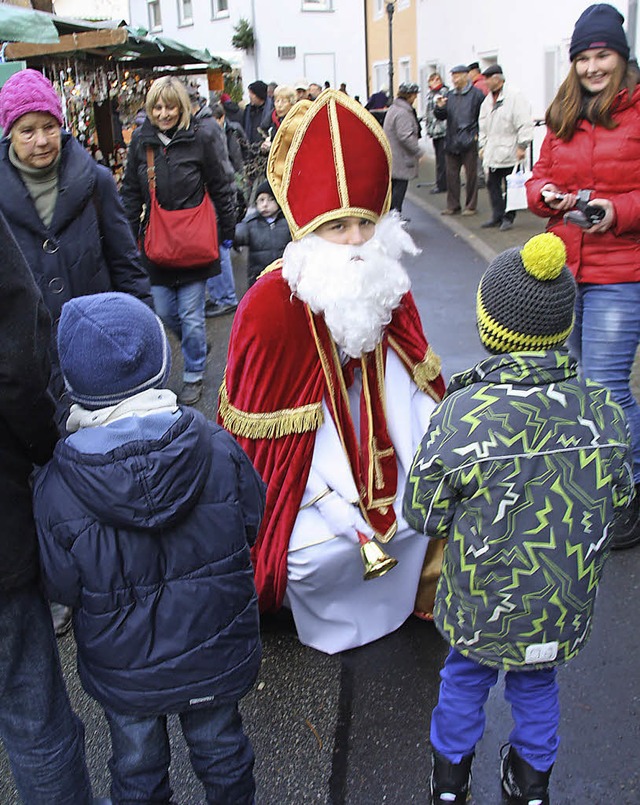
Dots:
pixel 175 172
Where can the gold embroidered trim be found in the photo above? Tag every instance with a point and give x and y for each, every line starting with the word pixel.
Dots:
pixel 389 533
pixel 338 156
pixel 314 500
pixel 270 425
pixel 271 267
pixel 286 145
pixel 423 373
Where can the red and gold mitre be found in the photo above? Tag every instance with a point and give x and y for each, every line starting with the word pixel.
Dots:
pixel 329 159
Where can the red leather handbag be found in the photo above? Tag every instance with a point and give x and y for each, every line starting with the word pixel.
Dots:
pixel 179 238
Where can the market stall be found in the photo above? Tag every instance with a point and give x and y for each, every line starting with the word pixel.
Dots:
pixel 103 71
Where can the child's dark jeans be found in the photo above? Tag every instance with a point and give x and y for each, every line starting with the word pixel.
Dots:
pixel 220 754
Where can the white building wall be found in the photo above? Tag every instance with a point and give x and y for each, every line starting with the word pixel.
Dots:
pixel 92 9
pixel 329 44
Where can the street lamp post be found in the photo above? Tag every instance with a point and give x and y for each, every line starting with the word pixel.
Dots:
pixel 390 10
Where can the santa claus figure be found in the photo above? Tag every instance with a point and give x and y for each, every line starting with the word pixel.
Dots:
pixel 330 383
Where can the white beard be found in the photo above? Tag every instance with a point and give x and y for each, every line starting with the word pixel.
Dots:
pixel 355 288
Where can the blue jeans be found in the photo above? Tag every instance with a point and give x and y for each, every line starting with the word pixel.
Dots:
pixel 43 738
pixel 181 308
pixel 220 754
pixel 222 288
pixel 604 340
pixel 458 720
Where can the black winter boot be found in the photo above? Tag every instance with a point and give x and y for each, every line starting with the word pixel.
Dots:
pixel 450 783
pixel 521 783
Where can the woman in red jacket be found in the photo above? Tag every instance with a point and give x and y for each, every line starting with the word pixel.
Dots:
pixel 592 152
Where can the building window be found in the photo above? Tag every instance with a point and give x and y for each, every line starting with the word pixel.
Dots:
pixel 219 8
pixel 155 17
pixel 185 12
pixel 404 71
pixel 317 5
pixel 381 76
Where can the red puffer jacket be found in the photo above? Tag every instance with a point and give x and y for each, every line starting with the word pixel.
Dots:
pixel 606 161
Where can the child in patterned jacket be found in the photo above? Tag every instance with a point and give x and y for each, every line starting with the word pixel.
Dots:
pixel 522 468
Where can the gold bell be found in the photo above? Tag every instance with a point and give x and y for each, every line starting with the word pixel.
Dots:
pixel 376 561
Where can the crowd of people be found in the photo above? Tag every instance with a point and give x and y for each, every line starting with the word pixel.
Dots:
pixel 345 479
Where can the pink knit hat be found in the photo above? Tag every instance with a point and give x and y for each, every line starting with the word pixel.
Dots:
pixel 27 91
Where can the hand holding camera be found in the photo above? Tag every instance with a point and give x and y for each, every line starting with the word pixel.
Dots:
pixel 586 215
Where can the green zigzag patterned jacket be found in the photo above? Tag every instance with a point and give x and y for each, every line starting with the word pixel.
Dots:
pixel 522 467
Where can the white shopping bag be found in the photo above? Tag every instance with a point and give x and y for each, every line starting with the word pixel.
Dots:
pixel 516 191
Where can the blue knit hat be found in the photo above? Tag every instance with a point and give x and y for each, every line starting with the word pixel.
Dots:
pixel 111 346
pixel 599 26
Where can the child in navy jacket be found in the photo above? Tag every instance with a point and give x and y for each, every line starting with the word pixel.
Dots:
pixel 146 515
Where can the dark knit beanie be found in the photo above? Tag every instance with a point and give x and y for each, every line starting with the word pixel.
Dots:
pixel 599 26
pixel 111 346
pixel 264 187
pixel 526 297
pixel 259 88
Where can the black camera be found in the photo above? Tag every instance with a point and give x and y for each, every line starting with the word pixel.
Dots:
pixel 584 214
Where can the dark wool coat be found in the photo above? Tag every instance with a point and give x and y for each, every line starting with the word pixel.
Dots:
pixel 145 528
pixel 522 467
pixel 87 248
pixel 189 163
pixel 266 241
pixel 27 432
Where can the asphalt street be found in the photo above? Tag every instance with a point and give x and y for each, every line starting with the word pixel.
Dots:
pixel 353 729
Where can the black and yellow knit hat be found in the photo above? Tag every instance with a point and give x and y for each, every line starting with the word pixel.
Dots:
pixel 526 297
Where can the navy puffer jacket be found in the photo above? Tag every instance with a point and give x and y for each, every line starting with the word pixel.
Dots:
pixel 145 527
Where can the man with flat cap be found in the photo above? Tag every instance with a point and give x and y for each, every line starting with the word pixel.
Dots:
pixel 460 108
pixel 505 132
pixel 477 78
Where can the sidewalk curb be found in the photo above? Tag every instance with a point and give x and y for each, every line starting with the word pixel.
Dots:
pixel 459 230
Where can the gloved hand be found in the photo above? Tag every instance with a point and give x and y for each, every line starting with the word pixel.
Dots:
pixel 227 244
pixel 342 517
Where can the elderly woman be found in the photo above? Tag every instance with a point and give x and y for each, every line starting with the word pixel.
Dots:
pixel 403 132
pixel 62 208
pixel 187 165
pixel 284 98
pixel 64 211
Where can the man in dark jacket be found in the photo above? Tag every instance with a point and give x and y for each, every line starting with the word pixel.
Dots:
pixel 461 108
pixel 156 566
pixel 42 737
pixel 257 113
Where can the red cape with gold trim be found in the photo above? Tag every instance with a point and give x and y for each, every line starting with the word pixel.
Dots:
pixel 271 401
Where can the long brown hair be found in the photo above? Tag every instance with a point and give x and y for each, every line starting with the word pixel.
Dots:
pixel 571 103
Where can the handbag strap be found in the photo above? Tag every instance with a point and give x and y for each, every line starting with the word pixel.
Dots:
pixel 151 170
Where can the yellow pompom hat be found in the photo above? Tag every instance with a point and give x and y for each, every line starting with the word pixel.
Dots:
pixel 526 298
